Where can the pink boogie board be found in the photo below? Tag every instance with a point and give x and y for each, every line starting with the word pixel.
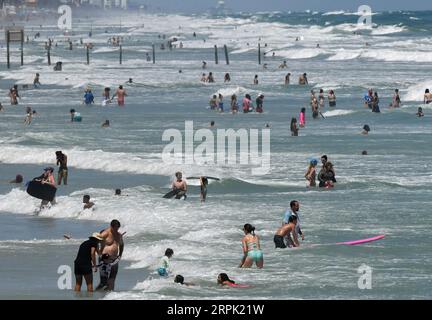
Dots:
pixel 356 242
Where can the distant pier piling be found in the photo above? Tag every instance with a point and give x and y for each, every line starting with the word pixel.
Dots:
pixel 226 54
pixel 259 53
pixel 216 55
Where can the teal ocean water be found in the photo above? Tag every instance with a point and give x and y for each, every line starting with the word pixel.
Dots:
pixel 386 192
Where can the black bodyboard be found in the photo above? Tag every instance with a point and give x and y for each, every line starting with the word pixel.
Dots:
pixel 41 191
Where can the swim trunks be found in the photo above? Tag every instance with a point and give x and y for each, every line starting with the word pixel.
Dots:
pixel 279 241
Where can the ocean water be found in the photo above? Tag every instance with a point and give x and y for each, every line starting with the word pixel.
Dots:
pixel 386 192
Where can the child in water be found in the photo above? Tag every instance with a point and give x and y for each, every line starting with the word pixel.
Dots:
pixel 180 279
pixel 311 173
pixel 164 267
pixel 224 280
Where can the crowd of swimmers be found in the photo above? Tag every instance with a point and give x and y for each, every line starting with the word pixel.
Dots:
pixel 216 103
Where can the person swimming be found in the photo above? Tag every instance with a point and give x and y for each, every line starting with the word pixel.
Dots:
pixel 18 179
pixel 224 280
pixel 366 129
pixel 180 279
pixel 420 112
pixel 251 248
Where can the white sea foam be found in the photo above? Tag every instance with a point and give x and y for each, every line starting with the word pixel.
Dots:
pixel 335 113
pixel 416 92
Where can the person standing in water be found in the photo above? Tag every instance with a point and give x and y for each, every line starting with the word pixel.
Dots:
pixel 120 93
pixel 29 116
pixel 283 65
pixel 180 186
pixel 210 78
pixel 36 81
pixel 106 95
pixel 247 103
pixel 303 117
pixel 88 97
pixel 294 128
pixel 234 104
pixel 321 99
pixel 47 178
pixel 85 262
pixel 332 98
pixel 311 173
pixel 227 78
pixel 294 211
pixel 255 81
pixel 113 246
pixel 285 232
pixel 368 99
pixel 251 249
pixel 164 266
pixel 220 103
pixel 375 103
pixel 314 107
pixel 396 101
pixel 203 188
pixel 303 79
pixel 213 103
pixel 427 97
pixel 63 170
pixel 259 103
pixel 287 79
